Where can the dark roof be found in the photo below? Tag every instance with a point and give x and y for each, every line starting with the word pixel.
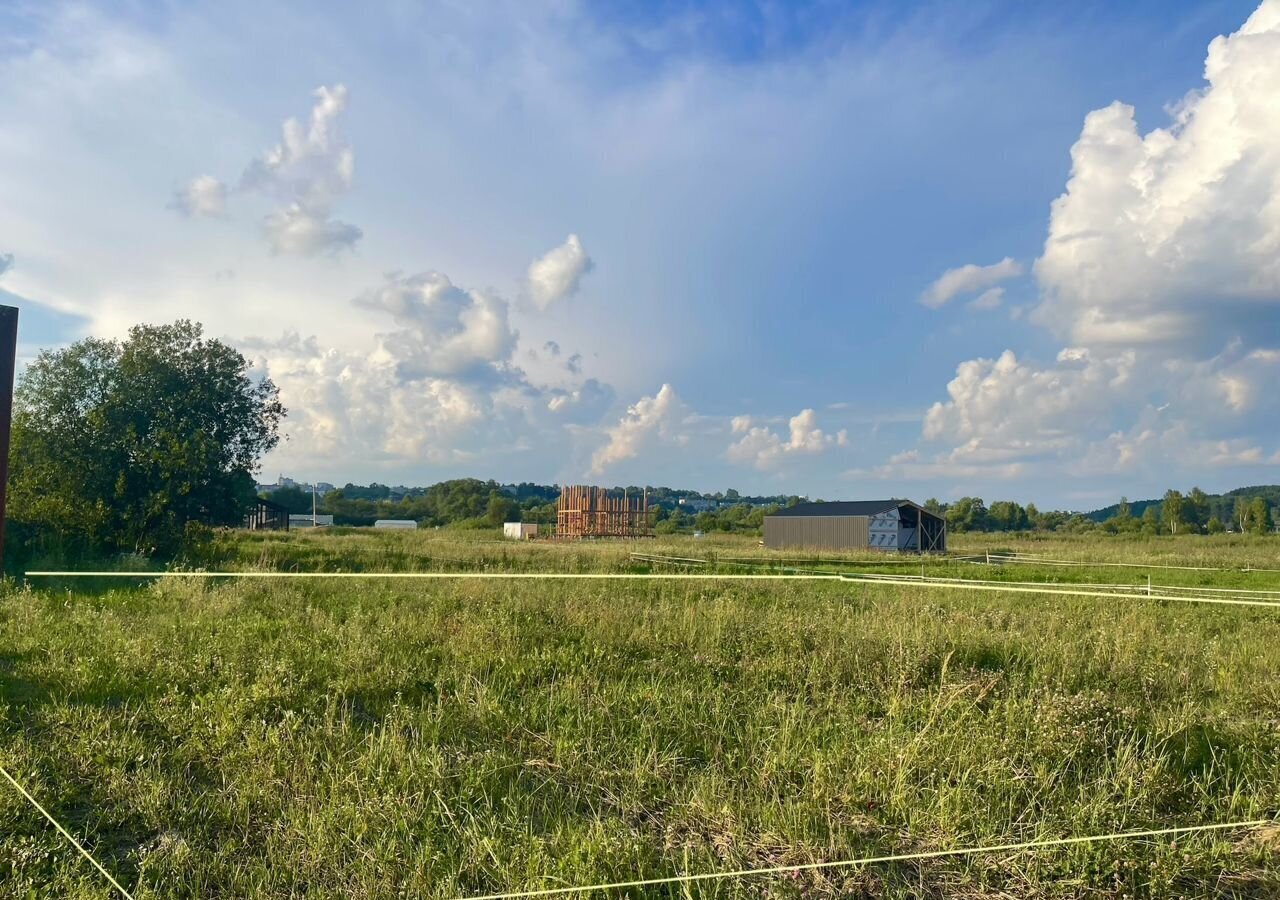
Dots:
pixel 843 508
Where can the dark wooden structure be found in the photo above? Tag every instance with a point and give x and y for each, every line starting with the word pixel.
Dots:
pixel 592 512
pixel 8 358
pixel 267 516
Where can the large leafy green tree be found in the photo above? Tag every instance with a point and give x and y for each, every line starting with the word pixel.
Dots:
pixel 118 445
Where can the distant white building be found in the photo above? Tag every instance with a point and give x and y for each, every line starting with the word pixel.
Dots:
pixel 404 524
pixel 306 520
pixel 694 504
pixel 519 531
pixel 284 481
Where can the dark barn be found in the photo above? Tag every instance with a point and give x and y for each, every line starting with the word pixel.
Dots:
pixel 857 525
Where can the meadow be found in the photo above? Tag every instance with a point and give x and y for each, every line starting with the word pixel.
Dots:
pixel 391 738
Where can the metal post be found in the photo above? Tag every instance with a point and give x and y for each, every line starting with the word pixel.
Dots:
pixel 8 358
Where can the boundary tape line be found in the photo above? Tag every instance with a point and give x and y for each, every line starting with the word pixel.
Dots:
pixel 654 576
pixel 1052 590
pixel 67 834
pixel 1002 558
pixel 874 860
pixel 1144 590
pixel 1117 593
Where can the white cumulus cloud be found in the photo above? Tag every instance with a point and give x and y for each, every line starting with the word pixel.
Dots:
pixel 584 403
pixel 1161 268
pixel 765 449
pixel 439 387
pixel 299 230
pixel 989 299
pixel 969 279
pixel 646 419
pixel 1173 237
pixel 444 329
pixel 306 172
pixel 556 275
pixel 204 195
pixel 311 163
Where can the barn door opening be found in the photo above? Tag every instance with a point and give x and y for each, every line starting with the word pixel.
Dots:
pixel 908 528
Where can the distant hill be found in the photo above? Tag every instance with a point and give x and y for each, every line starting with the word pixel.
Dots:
pixel 1220 505
pixel 1136 509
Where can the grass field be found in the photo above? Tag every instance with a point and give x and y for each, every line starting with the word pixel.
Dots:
pixel 381 738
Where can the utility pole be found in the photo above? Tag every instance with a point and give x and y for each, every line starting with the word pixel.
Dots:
pixel 8 356
pixel 313 505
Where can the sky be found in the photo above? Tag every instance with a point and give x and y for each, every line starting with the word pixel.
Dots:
pixel 843 250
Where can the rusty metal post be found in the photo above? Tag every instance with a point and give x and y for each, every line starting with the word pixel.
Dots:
pixel 8 358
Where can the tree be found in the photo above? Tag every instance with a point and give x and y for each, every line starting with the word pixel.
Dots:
pixel 501 508
pixel 1150 520
pixel 1196 512
pixel 1215 526
pixel 1006 515
pixel 294 499
pixel 118 445
pixel 1259 516
pixel 967 514
pixel 1034 519
pixel 1242 514
pixel 1171 510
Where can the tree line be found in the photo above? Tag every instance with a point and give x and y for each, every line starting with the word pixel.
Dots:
pixel 460 502
pixel 472 503
pixel 1246 510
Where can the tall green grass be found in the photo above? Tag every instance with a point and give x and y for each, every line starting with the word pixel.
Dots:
pixel 382 739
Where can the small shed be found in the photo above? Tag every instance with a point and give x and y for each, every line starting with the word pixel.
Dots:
pixel 519 531
pixel 395 523
pixel 857 525
pixel 264 515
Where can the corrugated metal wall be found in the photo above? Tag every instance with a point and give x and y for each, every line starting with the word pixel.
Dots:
pixel 824 532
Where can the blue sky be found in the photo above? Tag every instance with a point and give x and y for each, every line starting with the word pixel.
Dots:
pixel 679 243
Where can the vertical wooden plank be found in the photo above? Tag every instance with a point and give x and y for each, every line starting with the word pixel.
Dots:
pixel 8 357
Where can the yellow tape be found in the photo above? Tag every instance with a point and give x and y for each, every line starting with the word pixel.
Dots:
pixel 673 576
pixel 67 834
pixel 872 860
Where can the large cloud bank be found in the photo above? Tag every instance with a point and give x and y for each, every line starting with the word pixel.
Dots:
pixel 1161 273
pixel 439 386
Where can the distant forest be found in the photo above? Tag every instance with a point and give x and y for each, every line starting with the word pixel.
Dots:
pixel 473 503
